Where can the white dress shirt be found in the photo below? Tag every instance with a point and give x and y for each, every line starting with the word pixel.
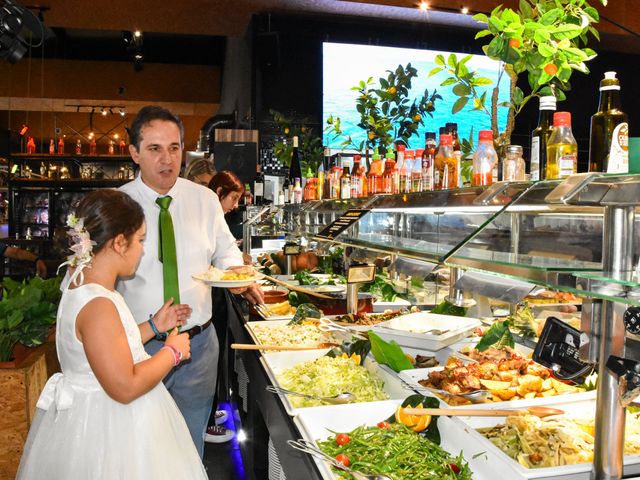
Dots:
pixel 202 238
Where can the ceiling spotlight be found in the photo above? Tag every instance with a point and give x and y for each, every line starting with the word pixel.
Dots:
pixel 19 29
pixel 115 135
pixel 424 6
pixel 103 112
pixel 464 10
pixel 137 34
pixel 122 112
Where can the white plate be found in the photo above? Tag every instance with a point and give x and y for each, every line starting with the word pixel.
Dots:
pixel 580 471
pixel 456 328
pixel 276 362
pixel 379 306
pixel 227 283
pixel 315 422
pixel 412 377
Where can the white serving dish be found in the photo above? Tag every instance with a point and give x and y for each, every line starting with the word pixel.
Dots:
pixel 399 329
pixel 250 326
pixel 580 471
pixel 379 306
pixel 411 378
pixel 276 362
pixel 315 422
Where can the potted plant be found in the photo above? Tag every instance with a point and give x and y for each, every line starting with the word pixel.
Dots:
pixel 309 144
pixel 546 40
pixel 27 312
pixel 386 113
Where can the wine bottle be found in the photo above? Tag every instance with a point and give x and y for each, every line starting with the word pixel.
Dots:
pixel 258 188
pixel 295 171
pixel 609 139
pixel 540 138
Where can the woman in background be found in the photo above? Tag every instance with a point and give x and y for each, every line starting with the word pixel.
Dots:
pixel 199 171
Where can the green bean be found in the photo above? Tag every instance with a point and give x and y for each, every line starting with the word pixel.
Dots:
pixel 397 452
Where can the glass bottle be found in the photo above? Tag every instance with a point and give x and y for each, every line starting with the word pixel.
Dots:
pixel 484 160
pixel 404 173
pixel 321 178
pixel 295 171
pixel 345 183
pixel 609 139
pixel 362 172
pixel 112 148
pixel 93 147
pixel 562 149
pixel 375 174
pixel 388 175
pixel 452 129
pixel 441 131
pixel 356 179
pixel 247 197
pixel 52 147
pixel 258 187
pixel 399 167
pixel 78 147
pixel 123 147
pixel 445 165
pixel 428 159
pixel 31 146
pixel 540 138
pixel 60 145
pixel 513 166
pixel 416 171
pixel 297 191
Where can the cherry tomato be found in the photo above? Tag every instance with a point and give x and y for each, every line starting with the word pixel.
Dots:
pixel 342 439
pixel 454 468
pixel 514 43
pixel 551 68
pixel 343 459
pixel 383 424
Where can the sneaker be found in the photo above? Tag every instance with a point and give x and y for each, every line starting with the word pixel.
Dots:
pixel 221 417
pixel 218 434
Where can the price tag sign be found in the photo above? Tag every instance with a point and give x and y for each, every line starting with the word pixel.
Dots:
pixel 343 222
pixel 292 249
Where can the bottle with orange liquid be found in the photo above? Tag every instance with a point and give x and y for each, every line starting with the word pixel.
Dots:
pixel 484 160
pixel 60 146
pixel 375 174
pixel 356 178
pixel 388 176
pixel 445 165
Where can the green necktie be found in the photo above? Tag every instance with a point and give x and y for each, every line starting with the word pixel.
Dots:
pixel 167 251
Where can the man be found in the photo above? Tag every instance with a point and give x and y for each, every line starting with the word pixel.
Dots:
pixel 16 253
pixel 201 238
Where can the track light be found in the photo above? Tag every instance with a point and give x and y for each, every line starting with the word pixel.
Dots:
pixel 122 112
pixel 137 34
pixel 103 112
pixel 424 6
pixel 464 10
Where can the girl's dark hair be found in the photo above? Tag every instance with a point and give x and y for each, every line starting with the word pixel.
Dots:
pixel 109 213
pixel 228 182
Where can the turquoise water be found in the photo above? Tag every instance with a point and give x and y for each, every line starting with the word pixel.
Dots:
pixel 345 65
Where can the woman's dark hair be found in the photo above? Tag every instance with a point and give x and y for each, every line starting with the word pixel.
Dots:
pixel 148 114
pixel 228 182
pixel 108 213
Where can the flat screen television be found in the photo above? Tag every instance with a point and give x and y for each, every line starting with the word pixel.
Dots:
pixel 345 65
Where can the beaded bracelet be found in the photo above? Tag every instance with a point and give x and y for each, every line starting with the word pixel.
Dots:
pixel 156 332
pixel 177 354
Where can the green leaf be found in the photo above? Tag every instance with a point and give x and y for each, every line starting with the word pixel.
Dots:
pixel 593 13
pixel 388 353
pixel 446 308
pixel 575 54
pixel 518 96
pixel 448 81
pixel 459 105
pixel 357 345
pixel 541 36
pixel 434 71
pixel 461 90
pixel 550 17
pixel 481 81
pixel 304 311
pixel 496 47
pixel 496 25
pixel 526 10
pixel 509 16
pixel 567 31
pixel 482 33
pixel 546 49
pixel 452 60
pixel 480 17
pixel 440 60
pixel 564 73
pixel 498 335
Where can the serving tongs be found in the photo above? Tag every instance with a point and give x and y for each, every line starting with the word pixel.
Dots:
pixel 538 411
pixel 310 448
pixel 326 325
pixel 296 288
pixel 339 399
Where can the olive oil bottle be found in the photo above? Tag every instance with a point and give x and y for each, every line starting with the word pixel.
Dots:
pixel 562 149
pixel 540 137
pixel 609 140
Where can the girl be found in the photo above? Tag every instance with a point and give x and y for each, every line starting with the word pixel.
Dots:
pixel 108 414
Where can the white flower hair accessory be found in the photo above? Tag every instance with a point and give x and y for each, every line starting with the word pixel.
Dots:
pixel 82 248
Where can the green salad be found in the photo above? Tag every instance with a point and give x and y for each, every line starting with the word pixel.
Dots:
pixel 328 376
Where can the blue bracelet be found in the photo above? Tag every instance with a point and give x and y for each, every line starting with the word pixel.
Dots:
pixel 156 332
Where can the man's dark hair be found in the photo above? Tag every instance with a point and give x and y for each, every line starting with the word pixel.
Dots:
pixel 145 116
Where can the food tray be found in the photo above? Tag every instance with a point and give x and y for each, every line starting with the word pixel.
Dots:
pixel 379 306
pixel 274 363
pixel 458 328
pixel 411 378
pixel 314 424
pixel 277 323
pixel 580 471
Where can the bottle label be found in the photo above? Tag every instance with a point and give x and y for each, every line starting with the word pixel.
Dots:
pixel 619 154
pixel 258 188
pixel 567 164
pixel 535 159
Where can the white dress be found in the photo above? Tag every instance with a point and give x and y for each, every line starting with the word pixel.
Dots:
pixel 79 432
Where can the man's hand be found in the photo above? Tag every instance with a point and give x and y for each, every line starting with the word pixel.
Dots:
pixel 253 293
pixel 170 316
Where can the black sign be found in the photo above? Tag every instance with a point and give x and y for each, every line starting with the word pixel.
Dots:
pixel 343 222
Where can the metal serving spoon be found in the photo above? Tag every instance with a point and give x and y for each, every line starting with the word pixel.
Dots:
pixel 344 397
pixel 477 396
pixel 310 448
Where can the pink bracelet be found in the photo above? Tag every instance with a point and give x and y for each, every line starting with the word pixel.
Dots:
pixel 177 354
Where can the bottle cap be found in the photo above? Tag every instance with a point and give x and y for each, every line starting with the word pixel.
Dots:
pixel 485 135
pixel 562 119
pixel 409 154
pixel 356 158
pixel 452 127
pixel 376 155
pixel 609 82
pixel 548 102
pixel 430 135
pixel 400 147
pixel 446 139
pixel 514 150
pixel 443 130
pixel 419 152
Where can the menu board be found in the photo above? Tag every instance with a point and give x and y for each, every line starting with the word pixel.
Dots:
pixel 343 222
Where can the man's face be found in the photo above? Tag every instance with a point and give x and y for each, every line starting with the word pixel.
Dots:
pixel 160 155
